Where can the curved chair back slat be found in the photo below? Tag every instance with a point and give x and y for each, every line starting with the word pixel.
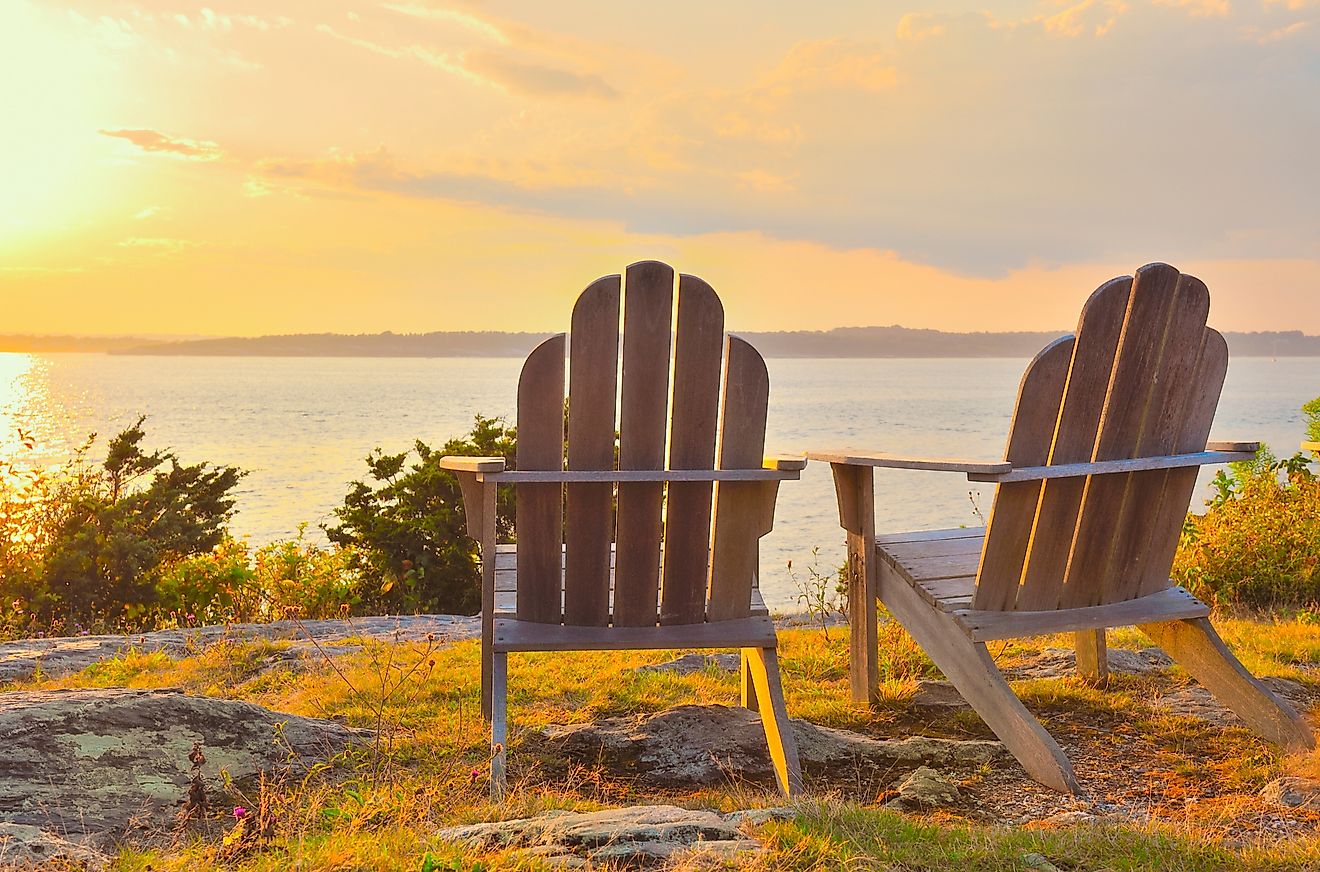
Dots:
pixel 1142 379
pixel 625 378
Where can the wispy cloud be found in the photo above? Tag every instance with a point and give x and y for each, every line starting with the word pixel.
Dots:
pixel 155 141
pixel 467 20
pixel 534 79
pixel 156 243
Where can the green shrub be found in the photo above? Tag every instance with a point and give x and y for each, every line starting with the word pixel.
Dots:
pixel 233 583
pixel 406 525
pixel 1258 544
pixel 1312 412
pixel 83 545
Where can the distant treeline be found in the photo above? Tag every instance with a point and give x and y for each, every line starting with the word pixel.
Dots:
pixel 46 344
pixel 840 342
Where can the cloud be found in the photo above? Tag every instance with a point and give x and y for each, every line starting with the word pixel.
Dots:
pixel 156 243
pixel 534 79
pixel 917 26
pixel 148 212
pixel 834 63
pixel 1207 8
pixel 472 22
pixel 155 141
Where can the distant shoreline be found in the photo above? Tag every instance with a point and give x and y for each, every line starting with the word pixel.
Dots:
pixel 841 342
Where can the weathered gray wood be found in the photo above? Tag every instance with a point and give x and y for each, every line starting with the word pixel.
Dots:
pixel 1228 445
pixel 539 508
pixel 648 311
pixel 1092 657
pixel 1115 467
pixel 499 723
pixel 506 597
pixel 607 476
pixel 1098 333
pixel 962 546
pixel 460 463
pixel 1311 446
pixel 929 568
pixel 1169 604
pixel 853 457
pixel 763 664
pixel 930 535
pixel 593 378
pixel 512 635
pixel 740 509
pixel 479 501
pixel 698 348
pixel 999 572
pixel 1155 345
pixel 1196 647
pixel 784 462
pixel 1198 413
pixel 1162 432
pixel 968 665
pixel 855 488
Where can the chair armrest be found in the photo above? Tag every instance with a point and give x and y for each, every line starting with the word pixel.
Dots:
pixel 1232 446
pixel 785 462
pixel 455 463
pixel 851 457
pixel 551 476
pixel 1311 446
pixel 1106 467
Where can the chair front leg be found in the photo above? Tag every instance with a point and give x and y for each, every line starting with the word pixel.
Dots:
pixel 855 488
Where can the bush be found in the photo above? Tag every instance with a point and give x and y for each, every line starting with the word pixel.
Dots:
pixel 232 583
pixel 85 544
pixel 406 525
pixel 1258 544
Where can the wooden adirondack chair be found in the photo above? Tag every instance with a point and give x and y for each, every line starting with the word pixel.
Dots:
pixel 1109 430
pixel 666 570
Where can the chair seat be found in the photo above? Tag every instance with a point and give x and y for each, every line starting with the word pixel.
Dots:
pixel 939 564
pixel 506 586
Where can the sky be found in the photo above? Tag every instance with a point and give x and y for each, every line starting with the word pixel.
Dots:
pixel 284 166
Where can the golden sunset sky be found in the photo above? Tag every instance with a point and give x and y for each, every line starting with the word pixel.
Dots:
pixel 321 165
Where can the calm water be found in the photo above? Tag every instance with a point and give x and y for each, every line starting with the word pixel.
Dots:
pixel 303 425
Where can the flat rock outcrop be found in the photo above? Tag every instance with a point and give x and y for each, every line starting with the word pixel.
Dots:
pixel 637 836
pixel 694 745
pixel 94 766
pixel 62 655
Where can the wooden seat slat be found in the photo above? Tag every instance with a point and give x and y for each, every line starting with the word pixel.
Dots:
pixel 928 535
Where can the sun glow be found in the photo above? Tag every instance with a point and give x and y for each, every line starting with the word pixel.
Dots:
pixel 47 124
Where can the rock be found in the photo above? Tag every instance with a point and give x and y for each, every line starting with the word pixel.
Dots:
pixel 926 788
pixel 758 816
pixel 109 763
pixel 690 663
pixel 696 745
pixel 1037 861
pixel 27 847
pixel 1060 662
pixel 1070 819
pixel 1196 702
pixel 1292 792
pixel 67 654
pixel 938 694
pixel 640 835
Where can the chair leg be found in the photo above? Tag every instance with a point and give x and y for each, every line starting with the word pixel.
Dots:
pixel 748 684
pixel 486 681
pixel 1092 657
pixel 763 664
pixel 1197 648
pixel 968 665
pixel 499 728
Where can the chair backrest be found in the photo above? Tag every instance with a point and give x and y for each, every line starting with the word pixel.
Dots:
pixel 671 383
pixel 1141 377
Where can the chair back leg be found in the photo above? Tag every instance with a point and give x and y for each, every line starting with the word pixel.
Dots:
pixel 1197 648
pixel 499 727
pixel 748 684
pixel 763 664
pixel 1092 657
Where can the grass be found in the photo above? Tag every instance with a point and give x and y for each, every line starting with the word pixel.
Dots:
pixel 1202 779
